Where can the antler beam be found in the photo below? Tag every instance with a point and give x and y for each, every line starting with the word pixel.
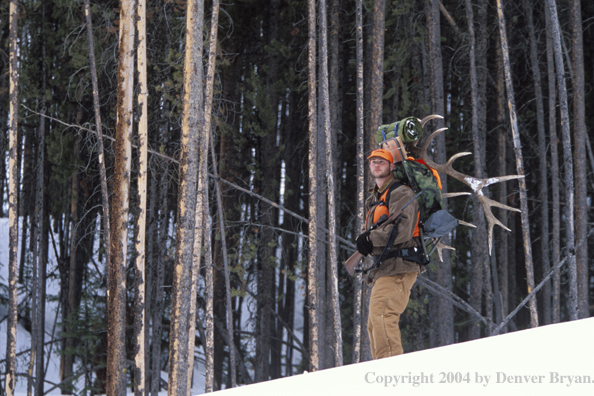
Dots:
pixel 474 183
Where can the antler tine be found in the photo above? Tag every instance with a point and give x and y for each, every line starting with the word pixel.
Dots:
pixel 429 118
pixel 487 203
pixel 474 183
pixel 466 224
pixel 440 247
pixel 493 180
pixel 454 194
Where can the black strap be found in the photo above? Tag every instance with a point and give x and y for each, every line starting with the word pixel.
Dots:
pixel 414 254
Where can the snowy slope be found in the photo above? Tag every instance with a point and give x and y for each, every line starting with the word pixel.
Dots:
pixel 549 360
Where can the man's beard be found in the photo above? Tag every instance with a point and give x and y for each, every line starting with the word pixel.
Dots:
pixel 381 174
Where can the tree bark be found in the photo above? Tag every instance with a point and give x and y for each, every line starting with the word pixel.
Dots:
pixel 581 182
pixel 70 309
pixel 139 278
pixel 13 192
pixel 181 335
pixel 555 183
pixel 567 162
pixel 232 364
pixel 209 343
pixel 519 164
pixel 377 66
pixel 99 126
pixel 116 336
pixel 331 188
pixel 480 258
pixel 313 190
pixel 543 186
pixel 436 90
pixel 359 222
pixel 159 295
pixel 502 248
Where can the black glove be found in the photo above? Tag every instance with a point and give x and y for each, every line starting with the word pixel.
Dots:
pixel 364 245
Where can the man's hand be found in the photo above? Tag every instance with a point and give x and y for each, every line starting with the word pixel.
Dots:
pixel 364 245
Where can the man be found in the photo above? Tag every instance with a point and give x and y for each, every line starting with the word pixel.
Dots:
pixel 395 274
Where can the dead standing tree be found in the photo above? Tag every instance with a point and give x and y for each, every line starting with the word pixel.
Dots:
pixel 313 187
pixel 202 233
pixel 116 335
pixel 358 294
pixel 519 165
pixel 554 169
pixel 567 162
pixel 99 128
pixel 543 186
pixel 580 135
pixel 182 276
pixel 12 206
pixel 140 288
pixel 331 188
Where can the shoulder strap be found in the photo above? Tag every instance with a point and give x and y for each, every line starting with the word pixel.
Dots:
pixel 384 198
pixel 386 195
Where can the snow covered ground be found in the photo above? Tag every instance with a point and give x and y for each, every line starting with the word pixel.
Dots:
pixel 549 360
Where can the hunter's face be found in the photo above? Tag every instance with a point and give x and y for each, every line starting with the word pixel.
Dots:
pixel 380 167
pixel 392 147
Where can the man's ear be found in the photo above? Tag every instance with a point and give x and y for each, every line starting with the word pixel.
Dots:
pixel 392 166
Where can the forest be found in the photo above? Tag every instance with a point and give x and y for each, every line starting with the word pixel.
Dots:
pixel 183 180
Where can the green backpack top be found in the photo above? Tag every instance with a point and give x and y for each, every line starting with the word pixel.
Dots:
pixel 409 129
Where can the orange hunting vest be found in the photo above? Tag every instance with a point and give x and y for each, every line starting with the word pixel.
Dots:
pixel 382 207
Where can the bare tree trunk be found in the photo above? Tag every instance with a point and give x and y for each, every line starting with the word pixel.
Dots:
pixel 567 162
pixel 331 188
pixel 139 278
pixel 13 182
pixel 581 182
pixel 543 185
pixel 39 274
pixel 232 364
pixel 556 200
pixel 202 212
pixel 480 258
pixel 377 65
pixel 209 343
pixel 116 336
pixel 159 296
pixel 313 190
pixel 436 88
pixel 502 248
pixel 519 165
pixel 180 336
pixel 74 280
pixel 357 314
pixel 101 156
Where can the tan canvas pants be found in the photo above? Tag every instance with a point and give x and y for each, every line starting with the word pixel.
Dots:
pixel 389 298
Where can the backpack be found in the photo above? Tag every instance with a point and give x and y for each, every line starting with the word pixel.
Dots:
pixel 418 176
pixel 434 222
